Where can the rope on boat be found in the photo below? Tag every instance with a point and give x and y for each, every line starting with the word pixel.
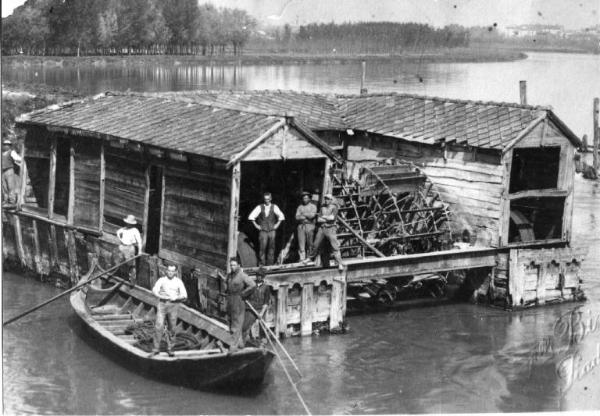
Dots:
pixel 144 331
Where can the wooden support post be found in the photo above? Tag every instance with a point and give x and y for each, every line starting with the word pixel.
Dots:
pixel 515 279
pixel 523 92
pixel 363 78
pixel 52 177
pixel 146 207
pixel 19 239
pixel 102 191
pixel 72 253
pixel 327 185
pixel 505 201
pixel 596 132
pixel 306 313
pixel 541 283
pixel 23 183
pixel 71 201
pixel 281 322
pixel 54 261
pixel 338 285
pixel 37 255
pixel 234 205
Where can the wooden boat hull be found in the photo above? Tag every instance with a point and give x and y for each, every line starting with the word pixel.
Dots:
pixel 212 368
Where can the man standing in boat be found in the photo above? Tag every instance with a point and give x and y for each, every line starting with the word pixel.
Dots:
pixel 170 291
pixel 327 231
pixel 305 216
pixel 130 239
pixel 239 287
pixel 266 217
pixel 260 299
pixel 10 159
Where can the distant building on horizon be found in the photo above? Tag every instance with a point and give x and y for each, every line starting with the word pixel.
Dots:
pixel 529 30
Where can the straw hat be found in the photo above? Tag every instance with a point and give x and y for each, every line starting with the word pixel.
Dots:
pixel 130 219
pixel 6 141
pixel 328 196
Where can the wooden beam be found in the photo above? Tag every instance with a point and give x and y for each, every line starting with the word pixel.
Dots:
pixel 362 240
pixel 234 206
pixel 37 256
pixel 523 92
pixel 539 193
pixel 162 207
pixel 327 185
pixel 504 222
pixel 102 191
pixel 72 255
pixel 71 201
pixel 29 214
pixel 52 177
pixel 596 132
pixel 54 260
pixel 19 239
pixel 525 132
pixel 335 308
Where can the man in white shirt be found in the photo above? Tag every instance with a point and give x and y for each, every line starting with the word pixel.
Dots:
pixel 130 239
pixel 267 218
pixel 170 291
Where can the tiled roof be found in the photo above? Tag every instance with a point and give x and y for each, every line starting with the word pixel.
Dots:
pixel 175 125
pixel 222 123
pixel 491 125
pixel 317 111
pixel 430 119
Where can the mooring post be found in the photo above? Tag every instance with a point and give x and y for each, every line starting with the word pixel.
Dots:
pixel 523 92
pixel 363 78
pixel 596 134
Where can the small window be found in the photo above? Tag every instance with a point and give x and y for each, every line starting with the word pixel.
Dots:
pixel 534 168
pixel 534 219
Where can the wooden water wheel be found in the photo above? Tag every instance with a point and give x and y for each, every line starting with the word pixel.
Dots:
pixel 389 210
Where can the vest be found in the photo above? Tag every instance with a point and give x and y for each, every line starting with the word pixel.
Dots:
pixel 7 161
pixel 267 222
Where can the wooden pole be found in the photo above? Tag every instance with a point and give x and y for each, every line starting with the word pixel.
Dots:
pixel 596 134
pixel 363 78
pixel 74 288
pixel 523 92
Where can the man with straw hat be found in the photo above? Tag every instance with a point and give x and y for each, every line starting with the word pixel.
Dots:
pixel 10 158
pixel 130 239
pixel 260 299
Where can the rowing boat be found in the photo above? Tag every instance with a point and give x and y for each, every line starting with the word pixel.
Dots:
pixel 111 308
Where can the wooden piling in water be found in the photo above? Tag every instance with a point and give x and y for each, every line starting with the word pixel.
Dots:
pixel 596 132
pixel 523 92
pixel 363 78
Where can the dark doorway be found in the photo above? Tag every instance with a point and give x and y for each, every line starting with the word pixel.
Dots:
pixel 63 168
pixel 154 210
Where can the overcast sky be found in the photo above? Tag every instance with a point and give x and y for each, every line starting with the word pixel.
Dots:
pixel 569 13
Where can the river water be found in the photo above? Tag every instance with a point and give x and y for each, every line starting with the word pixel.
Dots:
pixel 450 358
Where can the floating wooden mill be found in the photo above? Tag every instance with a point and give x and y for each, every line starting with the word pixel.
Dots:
pixel 388 210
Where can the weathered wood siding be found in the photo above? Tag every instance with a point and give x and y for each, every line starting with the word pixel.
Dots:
pixel 37 159
pixel 86 155
pixel 125 187
pixel 195 216
pixel 471 183
pixel 286 143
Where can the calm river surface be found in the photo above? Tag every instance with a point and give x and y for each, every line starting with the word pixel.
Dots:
pixel 451 358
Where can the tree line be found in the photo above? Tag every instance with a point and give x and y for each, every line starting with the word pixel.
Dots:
pixel 99 27
pixel 369 37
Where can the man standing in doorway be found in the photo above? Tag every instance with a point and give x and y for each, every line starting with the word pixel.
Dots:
pixel 305 215
pixel 10 158
pixel 170 291
pixel 266 217
pixel 327 231
pixel 239 287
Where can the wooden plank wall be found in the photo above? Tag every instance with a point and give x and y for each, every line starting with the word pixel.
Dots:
pixel 87 182
pixel 287 143
pixel 195 217
pixel 125 187
pixel 470 182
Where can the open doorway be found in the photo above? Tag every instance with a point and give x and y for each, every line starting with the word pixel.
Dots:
pixel 285 180
pixel 62 185
pixel 155 198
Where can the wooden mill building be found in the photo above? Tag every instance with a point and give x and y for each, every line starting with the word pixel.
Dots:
pixel 190 166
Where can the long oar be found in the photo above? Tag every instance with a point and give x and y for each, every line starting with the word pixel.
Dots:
pixel 268 331
pixel 306 409
pixel 74 288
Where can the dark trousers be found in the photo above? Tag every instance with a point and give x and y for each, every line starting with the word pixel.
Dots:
pixel 165 311
pixel 306 233
pixel 9 185
pixel 266 251
pixel 237 311
pixel 329 234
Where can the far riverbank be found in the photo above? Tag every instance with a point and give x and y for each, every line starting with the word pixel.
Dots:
pixel 441 56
